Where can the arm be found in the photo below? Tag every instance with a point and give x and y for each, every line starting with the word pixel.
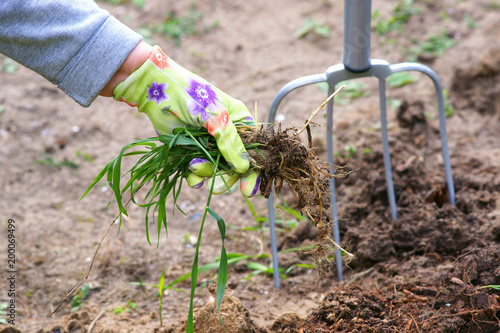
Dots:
pixel 73 44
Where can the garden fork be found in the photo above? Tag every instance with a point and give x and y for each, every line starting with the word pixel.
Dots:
pixel 356 63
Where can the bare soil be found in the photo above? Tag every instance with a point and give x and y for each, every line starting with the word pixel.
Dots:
pixel 423 272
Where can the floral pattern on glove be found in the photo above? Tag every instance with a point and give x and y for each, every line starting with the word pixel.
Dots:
pixel 202 97
pixel 216 123
pixel 132 104
pixel 157 92
pixel 159 58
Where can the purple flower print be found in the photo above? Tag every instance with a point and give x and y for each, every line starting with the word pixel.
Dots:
pixel 157 92
pixel 203 95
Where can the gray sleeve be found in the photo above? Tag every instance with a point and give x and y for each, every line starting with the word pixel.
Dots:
pixel 72 43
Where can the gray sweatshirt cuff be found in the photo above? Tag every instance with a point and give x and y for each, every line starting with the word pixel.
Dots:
pixel 94 65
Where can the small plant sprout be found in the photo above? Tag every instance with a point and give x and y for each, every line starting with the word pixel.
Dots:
pixel 291 217
pixel 400 79
pixel 86 156
pixel 77 300
pixel 494 4
pixel 52 164
pixel 401 13
pixel 352 90
pixel 470 22
pixel 449 108
pixel 492 286
pixel 351 151
pixel 258 268
pixel 125 308
pixel 8 66
pixel 160 292
pixel 433 47
pixel 139 4
pixel 310 26
pixel 3 313
pixel 367 151
pixel 176 27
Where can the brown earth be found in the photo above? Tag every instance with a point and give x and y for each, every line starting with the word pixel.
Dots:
pixel 424 272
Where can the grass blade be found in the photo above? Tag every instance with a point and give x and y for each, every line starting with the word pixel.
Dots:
pixel 194 271
pixel 222 278
pixel 160 291
pixel 99 177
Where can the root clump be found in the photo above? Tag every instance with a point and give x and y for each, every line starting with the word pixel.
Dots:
pixel 284 158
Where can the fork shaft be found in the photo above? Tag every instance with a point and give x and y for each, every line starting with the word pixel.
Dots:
pixel 357 25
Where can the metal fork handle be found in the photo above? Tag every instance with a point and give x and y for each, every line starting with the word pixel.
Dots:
pixel 357 26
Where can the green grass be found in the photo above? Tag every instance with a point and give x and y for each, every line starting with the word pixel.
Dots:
pixel 352 90
pixel 310 26
pixel 400 79
pixel 8 66
pixel 50 163
pixel 161 167
pixel 496 287
pixel 163 164
pixel 125 308
pixel 77 300
pixel 139 4
pixel 160 293
pixel 86 156
pixel 434 46
pixel 176 27
pixel 253 264
pixel 290 219
pixel 494 4
pixel 449 108
pixel 3 313
pixel 146 34
pixel 401 13
pixel 351 151
pixel 470 22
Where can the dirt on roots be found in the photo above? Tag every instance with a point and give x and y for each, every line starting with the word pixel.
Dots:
pixel 283 157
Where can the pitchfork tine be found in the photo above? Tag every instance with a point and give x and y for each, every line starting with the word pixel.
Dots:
pixel 356 63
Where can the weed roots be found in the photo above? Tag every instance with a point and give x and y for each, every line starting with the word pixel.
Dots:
pixel 283 157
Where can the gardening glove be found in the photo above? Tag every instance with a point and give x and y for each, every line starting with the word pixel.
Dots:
pixel 202 169
pixel 172 97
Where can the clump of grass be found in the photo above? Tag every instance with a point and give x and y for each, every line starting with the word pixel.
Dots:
pixel 163 164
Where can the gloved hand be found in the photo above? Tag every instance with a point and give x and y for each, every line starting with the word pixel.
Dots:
pixel 202 169
pixel 172 97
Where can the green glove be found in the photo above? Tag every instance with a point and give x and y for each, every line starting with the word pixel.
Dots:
pixel 172 97
pixel 202 169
